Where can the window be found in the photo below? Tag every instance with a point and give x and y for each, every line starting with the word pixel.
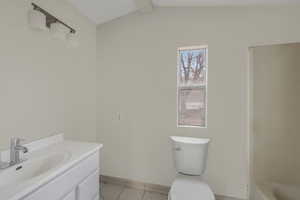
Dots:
pixel 192 86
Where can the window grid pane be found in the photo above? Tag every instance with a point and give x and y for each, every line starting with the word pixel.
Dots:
pixel 191 88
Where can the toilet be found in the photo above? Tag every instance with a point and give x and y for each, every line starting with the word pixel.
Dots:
pixel 190 155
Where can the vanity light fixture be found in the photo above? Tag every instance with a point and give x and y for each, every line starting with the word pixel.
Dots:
pixel 40 18
pixel 50 19
pixel 59 31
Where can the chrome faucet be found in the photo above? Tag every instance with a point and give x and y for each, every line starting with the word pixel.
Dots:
pixel 15 148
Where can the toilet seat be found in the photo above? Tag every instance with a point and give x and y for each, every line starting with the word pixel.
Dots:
pixel 190 188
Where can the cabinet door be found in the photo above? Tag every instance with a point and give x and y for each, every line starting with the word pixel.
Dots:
pixel 89 188
pixel 60 186
pixel 70 196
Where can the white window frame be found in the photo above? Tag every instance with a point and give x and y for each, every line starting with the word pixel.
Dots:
pixel 177 86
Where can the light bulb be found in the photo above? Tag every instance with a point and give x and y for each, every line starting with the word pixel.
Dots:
pixel 59 31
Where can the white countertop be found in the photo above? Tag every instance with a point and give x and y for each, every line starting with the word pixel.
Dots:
pixel 77 151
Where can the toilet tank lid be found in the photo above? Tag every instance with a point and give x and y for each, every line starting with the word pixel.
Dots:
pixel 190 140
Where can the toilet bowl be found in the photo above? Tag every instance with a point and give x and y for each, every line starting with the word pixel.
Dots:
pixel 190 155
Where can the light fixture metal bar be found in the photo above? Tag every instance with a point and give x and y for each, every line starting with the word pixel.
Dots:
pixel 51 19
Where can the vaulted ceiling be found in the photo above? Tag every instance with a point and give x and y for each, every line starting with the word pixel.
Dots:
pixel 101 11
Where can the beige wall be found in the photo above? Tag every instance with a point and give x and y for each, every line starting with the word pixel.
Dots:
pixel 276 95
pixel 45 86
pixel 137 80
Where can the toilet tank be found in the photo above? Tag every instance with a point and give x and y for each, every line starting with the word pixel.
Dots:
pixel 190 154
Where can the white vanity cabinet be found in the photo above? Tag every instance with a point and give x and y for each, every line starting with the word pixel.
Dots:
pixel 70 196
pixel 80 182
pixel 89 188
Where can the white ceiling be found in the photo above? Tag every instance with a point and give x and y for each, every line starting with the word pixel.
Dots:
pixel 221 2
pixel 100 11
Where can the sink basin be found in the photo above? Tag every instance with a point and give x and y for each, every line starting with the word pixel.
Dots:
pixel 31 168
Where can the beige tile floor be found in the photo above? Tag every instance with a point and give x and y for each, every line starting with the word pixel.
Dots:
pixel 118 192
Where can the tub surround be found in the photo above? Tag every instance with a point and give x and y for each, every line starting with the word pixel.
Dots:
pixel 277 191
pixel 274 110
pixel 264 192
pixel 74 153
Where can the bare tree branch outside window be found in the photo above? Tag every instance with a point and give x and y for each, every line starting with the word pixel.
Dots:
pixel 192 86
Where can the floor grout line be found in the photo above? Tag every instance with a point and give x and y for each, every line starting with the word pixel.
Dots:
pixel 141 193
pixel 120 193
pixel 144 193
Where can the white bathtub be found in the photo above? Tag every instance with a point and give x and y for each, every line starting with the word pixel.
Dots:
pixel 276 191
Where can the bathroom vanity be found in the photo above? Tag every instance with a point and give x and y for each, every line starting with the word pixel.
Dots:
pixel 55 169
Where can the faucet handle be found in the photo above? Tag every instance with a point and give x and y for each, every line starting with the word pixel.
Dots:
pixel 19 140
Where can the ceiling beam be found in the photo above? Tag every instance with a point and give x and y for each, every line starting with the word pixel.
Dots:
pixel 144 6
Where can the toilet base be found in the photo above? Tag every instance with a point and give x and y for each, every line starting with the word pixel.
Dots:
pixel 191 188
